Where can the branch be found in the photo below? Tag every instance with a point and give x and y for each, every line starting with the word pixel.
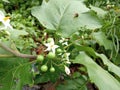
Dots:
pixel 17 53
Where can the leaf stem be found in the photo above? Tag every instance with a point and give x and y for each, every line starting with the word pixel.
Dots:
pixel 17 53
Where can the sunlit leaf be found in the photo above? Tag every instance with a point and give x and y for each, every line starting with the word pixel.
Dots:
pixel 65 16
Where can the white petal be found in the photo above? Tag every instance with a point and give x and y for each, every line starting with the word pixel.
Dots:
pixel 65 43
pixel 68 62
pixel 67 70
pixel 67 56
pixel 52 41
pixel 47 44
pixel 62 40
pixel 48 49
pixel 2 14
pixel 7 24
pixel 54 47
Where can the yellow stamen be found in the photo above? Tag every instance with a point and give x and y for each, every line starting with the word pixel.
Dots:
pixel 6 18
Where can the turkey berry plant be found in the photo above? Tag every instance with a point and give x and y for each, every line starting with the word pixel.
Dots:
pixel 42 42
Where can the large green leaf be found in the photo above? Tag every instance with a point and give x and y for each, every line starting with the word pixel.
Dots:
pixel 101 38
pixel 65 16
pixel 111 66
pixel 97 75
pixel 14 73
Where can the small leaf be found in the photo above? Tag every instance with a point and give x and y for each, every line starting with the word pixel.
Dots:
pixel 16 33
pixel 102 40
pixel 100 12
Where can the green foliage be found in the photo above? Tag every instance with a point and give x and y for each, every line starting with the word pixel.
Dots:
pixel 102 40
pixel 79 84
pixel 84 38
pixel 18 74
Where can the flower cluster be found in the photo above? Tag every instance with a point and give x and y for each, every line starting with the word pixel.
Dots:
pixel 64 56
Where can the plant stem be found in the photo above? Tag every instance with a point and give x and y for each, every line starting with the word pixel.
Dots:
pixel 17 53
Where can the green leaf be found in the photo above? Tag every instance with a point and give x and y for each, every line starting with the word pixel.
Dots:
pixel 16 33
pixel 100 12
pixel 14 73
pixel 102 40
pixel 65 16
pixel 73 84
pixel 89 50
pixel 111 66
pixel 7 1
pixel 116 60
pixel 97 75
pixel 8 44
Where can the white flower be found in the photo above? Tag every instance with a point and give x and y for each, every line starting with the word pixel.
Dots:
pixel 5 20
pixel 51 46
pixel 66 57
pixel 63 41
pixel 67 70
